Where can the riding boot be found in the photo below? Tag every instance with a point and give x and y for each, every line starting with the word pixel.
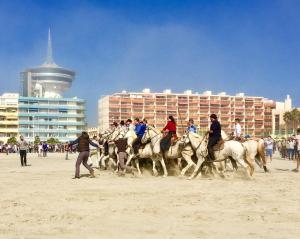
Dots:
pixel 211 155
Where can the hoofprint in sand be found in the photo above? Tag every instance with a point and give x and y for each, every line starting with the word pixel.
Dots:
pixel 43 201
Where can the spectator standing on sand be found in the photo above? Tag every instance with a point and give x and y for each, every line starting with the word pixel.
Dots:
pixel 45 149
pixel 40 150
pixel 290 148
pixel 269 147
pixel 23 151
pixel 298 145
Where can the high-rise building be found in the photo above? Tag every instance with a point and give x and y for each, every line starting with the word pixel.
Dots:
pixel 43 111
pixel 254 112
pixel 279 127
pixel 48 80
pixel 8 116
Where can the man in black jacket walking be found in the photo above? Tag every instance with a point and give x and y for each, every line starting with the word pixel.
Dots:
pixel 83 142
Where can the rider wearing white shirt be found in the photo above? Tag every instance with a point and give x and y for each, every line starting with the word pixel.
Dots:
pixel 237 129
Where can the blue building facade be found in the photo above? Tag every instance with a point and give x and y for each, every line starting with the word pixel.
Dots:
pixel 59 118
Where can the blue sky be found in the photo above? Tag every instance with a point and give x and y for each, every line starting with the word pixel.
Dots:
pixel 233 46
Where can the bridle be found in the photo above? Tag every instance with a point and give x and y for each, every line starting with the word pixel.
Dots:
pixel 201 152
pixel 150 138
pixel 120 131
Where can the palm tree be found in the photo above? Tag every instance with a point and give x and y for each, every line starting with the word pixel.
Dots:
pixel 292 119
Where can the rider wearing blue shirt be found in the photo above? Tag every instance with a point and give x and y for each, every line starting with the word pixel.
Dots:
pixel 140 128
pixel 191 126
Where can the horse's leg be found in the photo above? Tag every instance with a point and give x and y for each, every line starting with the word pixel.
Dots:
pixel 198 165
pixel 163 166
pixel 179 163
pixel 249 161
pixel 129 159
pixel 190 163
pixel 103 161
pixel 233 164
pixel 242 162
pixel 262 156
pixel 137 163
pixel 155 173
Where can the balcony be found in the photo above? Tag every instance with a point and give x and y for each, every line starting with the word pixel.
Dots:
pixel 50 115
pixel 66 107
pixel 67 131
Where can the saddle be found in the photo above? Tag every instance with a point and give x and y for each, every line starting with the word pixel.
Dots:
pixel 239 139
pixel 174 140
pixel 219 146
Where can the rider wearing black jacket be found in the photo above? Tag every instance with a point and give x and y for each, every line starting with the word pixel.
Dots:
pixel 214 135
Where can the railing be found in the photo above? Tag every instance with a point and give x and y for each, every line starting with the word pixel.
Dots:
pixel 36 122
pixel 62 115
pixel 58 107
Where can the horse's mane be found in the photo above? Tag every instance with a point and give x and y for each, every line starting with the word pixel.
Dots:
pixel 154 129
pixel 224 135
pixel 195 135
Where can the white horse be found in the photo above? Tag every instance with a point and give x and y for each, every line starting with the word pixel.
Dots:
pixel 110 136
pixel 179 150
pixel 232 149
pixel 255 151
pixel 144 153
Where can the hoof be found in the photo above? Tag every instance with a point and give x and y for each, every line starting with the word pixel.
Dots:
pixel 266 170
pixel 165 175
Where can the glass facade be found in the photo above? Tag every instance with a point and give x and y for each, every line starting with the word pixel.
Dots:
pixel 60 118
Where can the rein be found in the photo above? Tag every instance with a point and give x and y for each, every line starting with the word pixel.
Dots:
pixel 150 138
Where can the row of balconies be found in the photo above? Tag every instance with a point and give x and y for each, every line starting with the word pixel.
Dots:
pixel 68 131
pixel 39 122
pixel 65 115
pixel 8 122
pixel 58 107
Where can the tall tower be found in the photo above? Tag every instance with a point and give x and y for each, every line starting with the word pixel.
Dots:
pixel 48 80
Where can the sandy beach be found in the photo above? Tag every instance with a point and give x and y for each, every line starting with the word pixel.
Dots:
pixel 43 201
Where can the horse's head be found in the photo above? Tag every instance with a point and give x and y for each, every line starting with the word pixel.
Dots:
pixel 117 134
pixel 199 143
pixel 146 137
pixel 150 133
pixel 185 139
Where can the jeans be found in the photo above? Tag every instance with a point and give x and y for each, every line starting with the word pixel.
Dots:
pixel 23 154
pixel 290 153
pixel 82 158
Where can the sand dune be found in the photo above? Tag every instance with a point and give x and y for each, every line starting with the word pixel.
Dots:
pixel 43 201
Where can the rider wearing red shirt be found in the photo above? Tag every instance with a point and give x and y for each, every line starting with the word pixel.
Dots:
pixel 169 131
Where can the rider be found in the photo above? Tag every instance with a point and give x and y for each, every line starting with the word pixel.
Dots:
pixel 191 127
pixel 214 135
pixel 139 129
pixel 169 131
pixel 237 129
pixel 129 124
pixel 123 126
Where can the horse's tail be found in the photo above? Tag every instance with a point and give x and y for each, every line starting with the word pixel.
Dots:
pixel 261 154
pixel 248 160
